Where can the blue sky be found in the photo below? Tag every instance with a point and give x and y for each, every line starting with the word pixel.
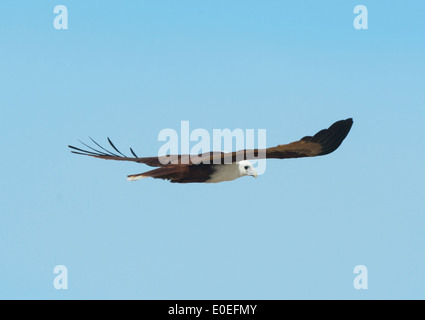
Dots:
pixel 130 69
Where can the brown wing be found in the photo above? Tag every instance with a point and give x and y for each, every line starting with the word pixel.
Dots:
pixel 322 143
pixel 178 173
pixel 106 154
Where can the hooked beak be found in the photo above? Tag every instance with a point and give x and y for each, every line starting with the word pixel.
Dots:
pixel 253 173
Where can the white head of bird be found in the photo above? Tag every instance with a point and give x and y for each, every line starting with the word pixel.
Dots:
pixel 247 169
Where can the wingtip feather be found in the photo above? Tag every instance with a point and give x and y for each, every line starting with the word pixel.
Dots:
pixel 332 138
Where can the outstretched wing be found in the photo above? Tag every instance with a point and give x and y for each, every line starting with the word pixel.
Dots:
pixel 106 154
pixel 322 143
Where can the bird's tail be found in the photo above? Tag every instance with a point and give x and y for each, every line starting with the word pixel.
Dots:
pixel 135 177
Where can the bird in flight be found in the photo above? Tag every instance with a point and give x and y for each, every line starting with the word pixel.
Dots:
pixel 213 167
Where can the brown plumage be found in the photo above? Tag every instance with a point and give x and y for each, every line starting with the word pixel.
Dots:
pixel 179 173
pixel 182 169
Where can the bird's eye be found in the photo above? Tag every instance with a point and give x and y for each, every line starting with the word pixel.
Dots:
pixel 246 167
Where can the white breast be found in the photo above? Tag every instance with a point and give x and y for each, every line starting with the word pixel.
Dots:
pixel 225 172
